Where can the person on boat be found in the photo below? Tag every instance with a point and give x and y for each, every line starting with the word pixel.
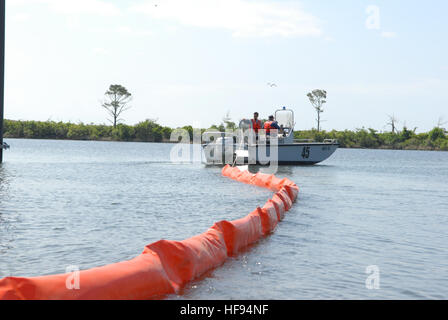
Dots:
pixel 271 124
pixel 256 124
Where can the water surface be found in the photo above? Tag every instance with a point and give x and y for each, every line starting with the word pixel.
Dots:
pixel 89 203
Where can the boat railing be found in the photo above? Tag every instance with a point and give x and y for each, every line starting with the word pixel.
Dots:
pixel 207 135
pixel 303 140
pixel 329 141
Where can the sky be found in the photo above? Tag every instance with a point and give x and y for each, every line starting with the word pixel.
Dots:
pixel 192 61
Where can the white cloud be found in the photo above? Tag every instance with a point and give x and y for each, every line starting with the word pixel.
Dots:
pixel 133 32
pixel 20 17
pixel 388 34
pixel 243 18
pixel 423 86
pixel 97 7
pixel 123 30
pixel 100 51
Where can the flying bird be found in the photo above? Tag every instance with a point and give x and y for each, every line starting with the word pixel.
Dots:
pixel 272 84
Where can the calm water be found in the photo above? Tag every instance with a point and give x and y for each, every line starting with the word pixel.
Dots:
pixel 93 203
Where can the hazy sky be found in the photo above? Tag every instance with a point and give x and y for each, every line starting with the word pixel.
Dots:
pixel 191 61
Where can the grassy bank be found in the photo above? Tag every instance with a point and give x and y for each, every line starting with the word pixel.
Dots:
pixel 145 131
pixel 436 139
pixel 151 131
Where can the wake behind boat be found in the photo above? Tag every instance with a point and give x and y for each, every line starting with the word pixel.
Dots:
pixel 222 148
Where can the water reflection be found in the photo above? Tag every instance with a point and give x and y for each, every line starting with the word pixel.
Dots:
pixel 4 183
pixel 7 233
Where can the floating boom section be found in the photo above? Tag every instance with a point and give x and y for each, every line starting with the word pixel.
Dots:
pixel 164 267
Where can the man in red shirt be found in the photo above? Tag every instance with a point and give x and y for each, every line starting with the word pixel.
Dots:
pixel 256 124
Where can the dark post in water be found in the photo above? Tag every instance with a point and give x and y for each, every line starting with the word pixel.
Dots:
pixel 2 72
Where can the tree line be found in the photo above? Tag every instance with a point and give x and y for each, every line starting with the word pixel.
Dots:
pixel 436 139
pixel 150 131
pixel 145 131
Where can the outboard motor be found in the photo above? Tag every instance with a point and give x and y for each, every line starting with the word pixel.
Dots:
pixel 218 147
pixel 245 124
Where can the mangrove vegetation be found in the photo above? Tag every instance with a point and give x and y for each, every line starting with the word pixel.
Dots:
pixel 150 131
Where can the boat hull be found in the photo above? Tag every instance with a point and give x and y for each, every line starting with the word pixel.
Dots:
pixel 288 154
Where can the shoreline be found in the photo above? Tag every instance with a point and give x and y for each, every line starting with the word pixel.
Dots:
pixel 150 131
pixel 174 142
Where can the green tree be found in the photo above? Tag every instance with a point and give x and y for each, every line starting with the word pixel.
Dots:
pixel 231 125
pixel 166 133
pixel 190 131
pixel 78 132
pixel 444 146
pixel 318 98
pixel 124 132
pixel 436 133
pixel 117 100
pixel 406 134
pixel 147 131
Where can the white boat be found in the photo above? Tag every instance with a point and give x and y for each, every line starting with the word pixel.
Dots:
pixel 234 148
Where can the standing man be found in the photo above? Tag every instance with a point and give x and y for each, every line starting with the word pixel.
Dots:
pixel 256 124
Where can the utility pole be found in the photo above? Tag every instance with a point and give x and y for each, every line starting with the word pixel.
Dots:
pixel 2 72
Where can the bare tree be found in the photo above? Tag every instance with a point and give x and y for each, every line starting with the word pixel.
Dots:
pixel 318 98
pixel 441 122
pixel 392 122
pixel 118 98
pixel 229 124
